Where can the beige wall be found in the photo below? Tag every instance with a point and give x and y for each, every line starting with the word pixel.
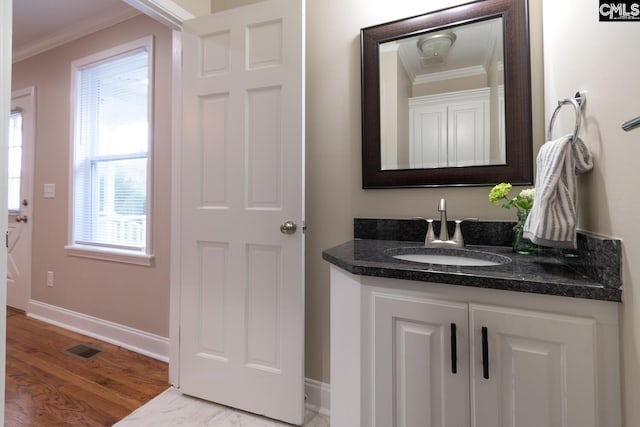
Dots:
pixel 196 7
pixel 608 194
pixel 388 109
pixel 495 78
pixel 334 185
pixel 404 93
pixel 130 295
pixel 218 5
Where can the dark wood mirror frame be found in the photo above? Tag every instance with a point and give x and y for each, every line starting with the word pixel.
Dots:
pixel 517 68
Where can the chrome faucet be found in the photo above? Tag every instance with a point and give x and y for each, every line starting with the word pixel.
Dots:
pixel 443 240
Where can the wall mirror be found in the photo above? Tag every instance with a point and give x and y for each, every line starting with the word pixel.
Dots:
pixel 446 98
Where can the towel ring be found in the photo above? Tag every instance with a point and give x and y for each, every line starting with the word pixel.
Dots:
pixel 577 103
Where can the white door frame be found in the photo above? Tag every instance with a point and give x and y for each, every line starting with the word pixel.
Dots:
pixel 6 22
pixel 172 15
pixel 27 186
pixel 176 197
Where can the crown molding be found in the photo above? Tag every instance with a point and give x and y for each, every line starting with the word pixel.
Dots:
pixel 71 33
pixel 476 70
pixel 164 11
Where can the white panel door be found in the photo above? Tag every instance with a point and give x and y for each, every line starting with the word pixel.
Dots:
pixel 419 381
pixel 468 133
pixel 428 136
pixel 540 372
pixel 20 186
pixel 242 278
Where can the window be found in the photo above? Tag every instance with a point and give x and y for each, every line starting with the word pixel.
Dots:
pixel 111 146
pixel 14 155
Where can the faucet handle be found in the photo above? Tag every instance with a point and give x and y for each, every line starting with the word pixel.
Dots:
pixel 431 236
pixel 457 234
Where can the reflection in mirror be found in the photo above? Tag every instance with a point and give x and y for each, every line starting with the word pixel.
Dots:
pixel 433 115
pixel 442 98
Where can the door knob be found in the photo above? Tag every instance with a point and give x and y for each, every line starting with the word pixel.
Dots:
pixel 21 218
pixel 288 227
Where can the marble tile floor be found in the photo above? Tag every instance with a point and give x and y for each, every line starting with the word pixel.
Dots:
pixel 174 409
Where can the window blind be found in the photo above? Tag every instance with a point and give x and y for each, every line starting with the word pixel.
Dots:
pixel 111 147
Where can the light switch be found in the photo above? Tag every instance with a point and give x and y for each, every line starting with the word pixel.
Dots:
pixel 49 191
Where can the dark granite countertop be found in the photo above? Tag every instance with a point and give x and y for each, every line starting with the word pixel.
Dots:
pixel 545 272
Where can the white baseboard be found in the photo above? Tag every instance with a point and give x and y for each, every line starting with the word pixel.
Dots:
pixel 142 342
pixel 317 394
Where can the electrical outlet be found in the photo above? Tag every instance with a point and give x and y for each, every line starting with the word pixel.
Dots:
pixel 50 279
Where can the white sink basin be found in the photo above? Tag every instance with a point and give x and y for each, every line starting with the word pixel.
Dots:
pixel 443 256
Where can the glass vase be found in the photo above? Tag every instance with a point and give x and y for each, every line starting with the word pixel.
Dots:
pixel 520 244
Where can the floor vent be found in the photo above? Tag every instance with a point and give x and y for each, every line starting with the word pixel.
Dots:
pixel 83 351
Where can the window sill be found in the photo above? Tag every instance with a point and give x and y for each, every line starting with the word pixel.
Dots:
pixel 114 255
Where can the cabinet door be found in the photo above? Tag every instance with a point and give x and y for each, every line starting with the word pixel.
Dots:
pixel 428 134
pixel 468 133
pixel 417 379
pixel 540 372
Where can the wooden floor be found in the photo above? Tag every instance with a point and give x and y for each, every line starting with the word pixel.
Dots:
pixel 46 387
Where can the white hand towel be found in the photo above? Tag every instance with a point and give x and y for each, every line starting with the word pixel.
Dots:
pixel 552 220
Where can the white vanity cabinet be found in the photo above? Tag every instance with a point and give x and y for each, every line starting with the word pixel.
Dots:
pixel 417 377
pixel 538 368
pixel 398 360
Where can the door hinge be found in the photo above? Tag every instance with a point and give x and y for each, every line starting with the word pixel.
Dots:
pixel 6 240
pixel 304 227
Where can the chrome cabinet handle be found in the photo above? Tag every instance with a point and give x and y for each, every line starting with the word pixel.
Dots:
pixel 22 218
pixel 288 227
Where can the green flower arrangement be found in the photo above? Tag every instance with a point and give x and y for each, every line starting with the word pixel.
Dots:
pixel 523 203
pixel 524 200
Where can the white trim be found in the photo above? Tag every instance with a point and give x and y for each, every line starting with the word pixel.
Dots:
pixel 71 33
pixel 146 42
pixel 317 396
pixel 151 345
pixel 6 23
pixel 440 98
pixel 21 93
pixel 142 342
pixel 164 11
pixel 25 98
pixel 176 207
pixel 476 70
pixel 109 254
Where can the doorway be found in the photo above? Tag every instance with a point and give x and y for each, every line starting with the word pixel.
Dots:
pixel 20 153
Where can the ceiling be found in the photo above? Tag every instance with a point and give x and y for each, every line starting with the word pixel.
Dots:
pixel 472 51
pixel 44 21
